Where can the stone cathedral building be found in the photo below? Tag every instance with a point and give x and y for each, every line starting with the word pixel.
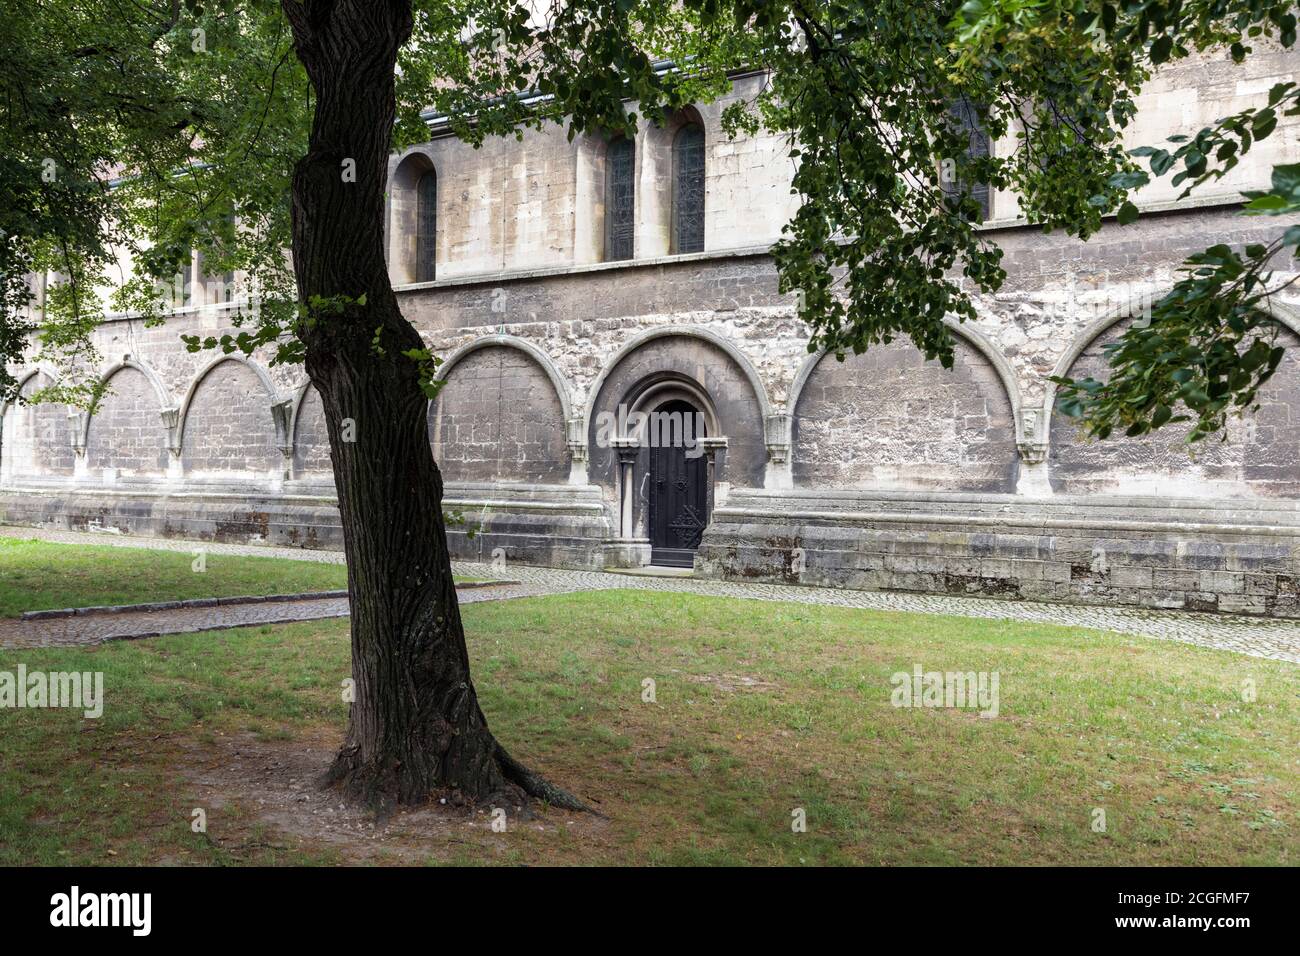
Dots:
pixel 566 283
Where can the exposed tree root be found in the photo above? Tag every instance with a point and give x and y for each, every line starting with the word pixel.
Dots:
pixel 539 787
pixel 504 781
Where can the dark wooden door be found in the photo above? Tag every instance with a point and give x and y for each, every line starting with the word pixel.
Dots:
pixel 678 498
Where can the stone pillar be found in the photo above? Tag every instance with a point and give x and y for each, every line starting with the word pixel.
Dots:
pixel 716 489
pixel 1031 442
pixel 778 473
pixel 627 454
pixel 627 550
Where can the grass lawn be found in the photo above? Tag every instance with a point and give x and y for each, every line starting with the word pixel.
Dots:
pixel 761 708
pixel 37 575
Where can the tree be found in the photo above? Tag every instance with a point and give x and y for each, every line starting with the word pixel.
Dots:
pixel 242 129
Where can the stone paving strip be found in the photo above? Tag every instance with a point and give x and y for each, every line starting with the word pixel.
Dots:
pixel 177 605
pixel 129 623
pixel 1257 637
pixel 81 629
pixel 215 602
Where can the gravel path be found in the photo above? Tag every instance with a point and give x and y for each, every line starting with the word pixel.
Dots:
pixel 1274 639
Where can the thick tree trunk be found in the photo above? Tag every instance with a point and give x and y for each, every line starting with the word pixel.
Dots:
pixel 415 727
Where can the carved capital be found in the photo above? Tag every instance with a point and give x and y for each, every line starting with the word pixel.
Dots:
pixel 711 447
pixel 1031 439
pixel 627 449
pixel 171 419
pixel 777 431
pixel 1031 453
pixel 575 437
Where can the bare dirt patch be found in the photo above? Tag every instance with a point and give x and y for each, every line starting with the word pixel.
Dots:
pixel 253 788
pixel 730 683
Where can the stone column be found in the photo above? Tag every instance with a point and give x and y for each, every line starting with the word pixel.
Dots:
pixel 716 490
pixel 627 454
pixel 627 550
pixel 282 414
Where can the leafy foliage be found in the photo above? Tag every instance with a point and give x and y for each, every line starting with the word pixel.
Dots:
pixel 162 121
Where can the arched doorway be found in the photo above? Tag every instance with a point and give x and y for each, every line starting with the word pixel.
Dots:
pixel 678 493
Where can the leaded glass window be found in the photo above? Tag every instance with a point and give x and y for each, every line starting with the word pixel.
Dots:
pixel 620 199
pixel 688 190
pixel 426 226
pixel 968 122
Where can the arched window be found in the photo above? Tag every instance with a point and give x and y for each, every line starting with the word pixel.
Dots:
pixel 967 122
pixel 688 189
pixel 620 199
pixel 426 236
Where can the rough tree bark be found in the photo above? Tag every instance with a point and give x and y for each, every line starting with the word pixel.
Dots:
pixel 415 727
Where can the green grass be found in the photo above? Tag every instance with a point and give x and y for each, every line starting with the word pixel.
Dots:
pixel 1156 734
pixel 38 575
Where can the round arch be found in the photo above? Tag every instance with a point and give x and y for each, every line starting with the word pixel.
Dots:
pixel 562 390
pixel 75 424
pixel 973 337
pixel 164 396
pixel 402 213
pixel 1285 315
pixel 687 331
pixel 268 385
pixel 652 392
pixel 299 396
pixel 662 134
pixel 410 165
pixel 38 369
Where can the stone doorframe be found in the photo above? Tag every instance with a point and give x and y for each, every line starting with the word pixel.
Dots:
pixel 778 460
pixel 632 546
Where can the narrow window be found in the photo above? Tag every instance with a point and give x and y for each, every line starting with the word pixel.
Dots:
pixel 426 226
pixel 688 190
pixel 620 200
pixel 187 280
pixel 968 122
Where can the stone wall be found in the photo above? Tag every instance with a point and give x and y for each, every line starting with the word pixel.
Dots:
pixel 497 417
pixel 38 439
pixel 1186 554
pixel 311 441
pixel 889 419
pixel 1257 455
pixel 867 449
pixel 879 471
pixel 124 437
pixel 226 433
pixel 538 202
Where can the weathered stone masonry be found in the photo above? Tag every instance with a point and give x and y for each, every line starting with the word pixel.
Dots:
pixel 881 471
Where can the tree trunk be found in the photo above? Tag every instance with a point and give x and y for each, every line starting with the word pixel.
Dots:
pixel 415 727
